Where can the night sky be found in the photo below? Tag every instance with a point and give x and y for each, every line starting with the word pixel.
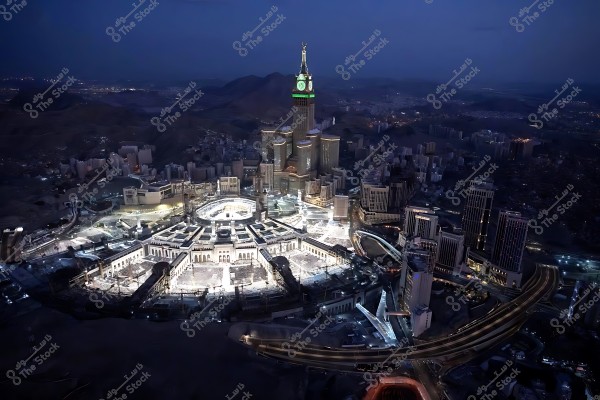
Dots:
pixel 191 39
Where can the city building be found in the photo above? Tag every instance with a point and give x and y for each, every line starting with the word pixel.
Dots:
pixel 330 153
pixel 430 148
pixel 132 161
pixel 450 252
pixel 410 214
pixel 304 101
pixel 340 207
pixel 425 226
pixel 164 188
pixel 374 204
pixel 304 159
pixel 374 197
pixel 280 154
pixel 237 168
pixel 229 185
pixel 416 281
pixel 268 173
pixel 133 196
pixel 476 215
pixel 402 189
pixel 478 262
pixel 420 320
pixel 321 191
pixel 509 244
pixel 445 132
pixel 428 245
pixel 521 149
pixel 314 136
pixel 300 152
pixel 145 156
pixel 493 144
pixel 414 287
pixel 9 248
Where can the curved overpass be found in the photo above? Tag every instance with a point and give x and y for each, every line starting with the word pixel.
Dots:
pixel 391 250
pixel 486 332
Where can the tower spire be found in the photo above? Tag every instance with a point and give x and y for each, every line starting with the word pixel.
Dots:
pixel 303 66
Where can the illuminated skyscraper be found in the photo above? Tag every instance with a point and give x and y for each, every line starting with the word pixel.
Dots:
pixel 510 241
pixel 303 160
pixel 450 252
pixel 279 154
pixel 410 214
pixel 330 153
pixel 476 215
pixel 374 197
pixel 315 144
pixel 303 149
pixel 425 226
pixel 304 100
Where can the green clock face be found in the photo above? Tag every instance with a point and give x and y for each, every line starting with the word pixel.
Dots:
pixel 309 85
pixel 301 85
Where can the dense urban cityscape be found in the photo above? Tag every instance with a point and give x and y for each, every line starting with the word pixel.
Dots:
pixel 347 235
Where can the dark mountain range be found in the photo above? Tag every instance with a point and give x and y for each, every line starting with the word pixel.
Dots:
pixel 90 125
pixel 267 98
pixel 251 97
pixel 63 101
pixel 87 123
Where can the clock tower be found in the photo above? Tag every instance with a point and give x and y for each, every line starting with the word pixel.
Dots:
pixel 303 95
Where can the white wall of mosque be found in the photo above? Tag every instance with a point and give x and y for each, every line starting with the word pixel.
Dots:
pixel 221 253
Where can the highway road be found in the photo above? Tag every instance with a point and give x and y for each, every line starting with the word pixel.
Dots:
pixel 481 334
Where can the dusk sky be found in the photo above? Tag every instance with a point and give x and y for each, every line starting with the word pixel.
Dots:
pixel 190 39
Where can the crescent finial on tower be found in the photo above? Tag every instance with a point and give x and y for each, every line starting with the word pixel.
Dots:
pixel 303 66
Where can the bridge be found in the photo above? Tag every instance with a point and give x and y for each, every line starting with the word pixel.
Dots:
pixel 391 250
